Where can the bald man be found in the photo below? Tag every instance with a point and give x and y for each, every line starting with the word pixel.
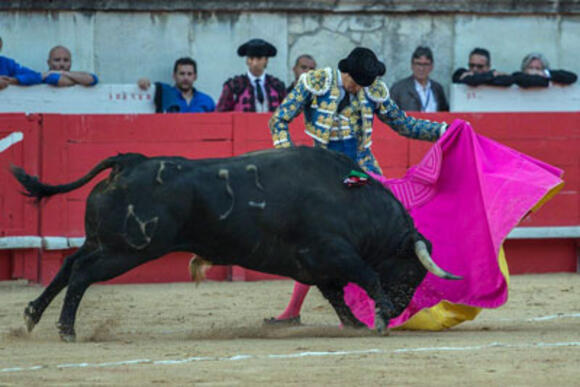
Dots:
pixel 59 63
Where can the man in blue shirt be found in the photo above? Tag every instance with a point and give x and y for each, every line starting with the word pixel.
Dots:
pixel 59 74
pixel 11 73
pixel 183 97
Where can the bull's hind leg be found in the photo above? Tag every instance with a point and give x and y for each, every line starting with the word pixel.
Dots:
pixel 96 268
pixel 35 309
pixel 335 295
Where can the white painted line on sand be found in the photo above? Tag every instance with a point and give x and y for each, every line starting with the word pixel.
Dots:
pixel 534 319
pixel 294 355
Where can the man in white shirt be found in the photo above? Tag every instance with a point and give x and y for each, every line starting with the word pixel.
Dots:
pixel 418 92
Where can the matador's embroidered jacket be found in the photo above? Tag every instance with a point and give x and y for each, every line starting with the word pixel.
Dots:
pixel 238 94
pixel 317 94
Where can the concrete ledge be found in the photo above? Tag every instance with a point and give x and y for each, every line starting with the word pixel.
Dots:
pixel 361 6
pixel 555 98
pixel 99 99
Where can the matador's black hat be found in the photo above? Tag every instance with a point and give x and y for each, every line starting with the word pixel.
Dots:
pixel 257 48
pixel 363 66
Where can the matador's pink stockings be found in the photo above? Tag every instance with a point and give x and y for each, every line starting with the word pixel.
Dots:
pixel 298 295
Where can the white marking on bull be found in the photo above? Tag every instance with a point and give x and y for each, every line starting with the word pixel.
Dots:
pixel 142 227
pixel 11 139
pixel 225 174
pixel 253 168
pixel 260 205
pixel 159 179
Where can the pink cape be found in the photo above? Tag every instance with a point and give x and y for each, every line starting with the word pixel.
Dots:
pixel 465 196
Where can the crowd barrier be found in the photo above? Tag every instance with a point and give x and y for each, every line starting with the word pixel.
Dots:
pixel 60 148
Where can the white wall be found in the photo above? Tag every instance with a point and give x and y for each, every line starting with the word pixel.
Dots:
pixel 124 46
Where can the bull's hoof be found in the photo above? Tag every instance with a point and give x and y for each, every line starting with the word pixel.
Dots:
pixel 68 337
pixel 381 325
pixel 287 322
pixel 30 317
pixel 67 334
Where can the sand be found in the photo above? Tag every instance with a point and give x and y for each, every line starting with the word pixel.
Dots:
pixel 178 334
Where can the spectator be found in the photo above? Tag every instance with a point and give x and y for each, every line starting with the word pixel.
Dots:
pixel 480 72
pixel 304 63
pixel 535 72
pixel 11 73
pixel 418 92
pixel 183 97
pixel 240 92
pixel 59 63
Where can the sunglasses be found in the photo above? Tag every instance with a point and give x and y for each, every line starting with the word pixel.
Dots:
pixel 476 66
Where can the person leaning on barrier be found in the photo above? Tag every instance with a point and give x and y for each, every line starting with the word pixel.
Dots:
pixel 536 72
pixel 183 97
pixel 480 71
pixel 304 63
pixel 59 64
pixel 418 92
pixel 12 73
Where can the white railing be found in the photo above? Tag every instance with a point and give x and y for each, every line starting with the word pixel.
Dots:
pixel 63 243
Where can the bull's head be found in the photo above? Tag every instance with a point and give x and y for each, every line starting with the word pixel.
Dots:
pixel 401 275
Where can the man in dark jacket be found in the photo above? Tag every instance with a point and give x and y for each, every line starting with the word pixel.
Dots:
pixel 536 72
pixel 480 71
pixel 418 92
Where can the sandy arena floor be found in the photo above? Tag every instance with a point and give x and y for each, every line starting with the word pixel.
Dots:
pixel 177 334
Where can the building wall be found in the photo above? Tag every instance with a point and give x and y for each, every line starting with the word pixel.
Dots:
pixel 125 40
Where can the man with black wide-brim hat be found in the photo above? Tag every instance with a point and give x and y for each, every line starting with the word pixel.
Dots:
pixel 339 106
pixel 255 91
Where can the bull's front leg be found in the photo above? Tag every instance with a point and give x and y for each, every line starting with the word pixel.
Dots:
pixel 335 295
pixel 342 260
pixel 384 308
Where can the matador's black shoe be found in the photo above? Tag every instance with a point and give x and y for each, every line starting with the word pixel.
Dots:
pixel 287 322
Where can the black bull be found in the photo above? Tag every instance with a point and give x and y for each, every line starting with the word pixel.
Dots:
pixel 284 212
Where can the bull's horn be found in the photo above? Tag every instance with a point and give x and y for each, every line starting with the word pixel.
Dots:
pixel 425 258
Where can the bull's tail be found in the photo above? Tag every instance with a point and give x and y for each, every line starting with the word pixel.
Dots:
pixel 36 189
pixel 197 268
pixel 425 258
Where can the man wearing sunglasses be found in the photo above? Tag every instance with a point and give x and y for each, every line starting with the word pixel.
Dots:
pixel 480 72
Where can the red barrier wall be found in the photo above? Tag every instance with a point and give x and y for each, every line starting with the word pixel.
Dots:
pixel 73 144
pixel 18 216
pixel 61 148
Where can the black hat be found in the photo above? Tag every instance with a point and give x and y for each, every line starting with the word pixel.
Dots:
pixel 257 48
pixel 362 65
